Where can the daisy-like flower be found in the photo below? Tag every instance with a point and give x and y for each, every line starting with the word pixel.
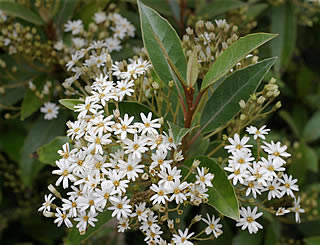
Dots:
pixel 161 194
pixel 238 175
pixel 153 235
pixel 168 175
pixel 288 185
pixel 276 151
pixel 50 110
pixel 76 129
pixel 213 226
pixel 85 219
pixel 158 159
pixel 96 141
pixel 124 127
pixel 65 172
pixel 282 211
pixel 70 205
pixel 131 167
pixel 241 159
pixel 123 225
pixel 253 187
pixel 248 219
pixel 75 26
pixel 116 180
pixel 121 207
pixel 182 238
pixel 62 217
pixel 258 133
pixel 274 189
pixel 141 211
pixel 124 88
pixel 177 190
pixel 136 146
pixel 106 193
pixel 238 144
pixel 87 107
pixel 150 222
pixel 148 125
pixel 204 179
pixel 297 209
pixel 46 205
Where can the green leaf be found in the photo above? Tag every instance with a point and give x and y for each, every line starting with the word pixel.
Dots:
pixel 255 10
pixel 192 69
pixel 41 132
pixel 283 22
pixel 312 129
pixel 219 7
pixel 48 152
pixel 245 238
pixel 312 240
pixel 178 133
pixel 20 11
pixel 71 103
pixel 221 196
pixel 290 121
pixel 30 104
pixel 157 29
pixel 74 237
pixel 223 105
pixel 311 158
pixel 233 54
pixel 65 11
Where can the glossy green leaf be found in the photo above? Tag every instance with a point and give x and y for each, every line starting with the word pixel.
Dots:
pixel 255 10
pixel 283 22
pixel 222 195
pixel 30 104
pixel 156 29
pixel 219 7
pixel 312 240
pixel 70 103
pixel 74 237
pixel 41 132
pixel 65 11
pixel 311 158
pixel 223 104
pixel 233 54
pixel 245 238
pixel 312 129
pixel 48 152
pixel 285 115
pixel 20 11
pixel 192 69
pixel 178 132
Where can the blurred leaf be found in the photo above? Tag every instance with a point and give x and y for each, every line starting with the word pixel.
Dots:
pixel 132 109
pixel 74 237
pixel 283 22
pixel 41 132
pixel 254 10
pixel 233 54
pixel 192 69
pixel 223 105
pixel 157 29
pixel 273 232
pixel 219 7
pixel 312 240
pixel 221 152
pixel 48 152
pixel 160 6
pixel 30 104
pixel 70 103
pixel 245 238
pixel 312 129
pixel 304 82
pixel 221 196
pixel 11 96
pixel 311 158
pixel 65 11
pixel 178 133
pixel 175 8
pixel 20 11
pixel 289 120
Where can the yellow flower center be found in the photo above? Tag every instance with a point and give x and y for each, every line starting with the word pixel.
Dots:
pixel 106 195
pixel 250 219
pixel 65 172
pixel 129 168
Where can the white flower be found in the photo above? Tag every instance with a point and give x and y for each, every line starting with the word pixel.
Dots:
pixel 213 226
pixel 150 222
pixel 46 205
pixel 158 159
pixel 62 217
pixel 116 180
pixel 85 219
pixel 106 193
pixel 238 174
pixel 204 179
pixel 124 88
pixel 65 170
pixel 70 205
pixel 182 238
pixel 161 194
pixel 238 144
pixel 288 185
pixel 131 167
pixel 51 110
pixel 75 26
pixel 276 151
pixel 282 211
pixel 168 175
pixel 123 225
pixel 121 207
pixel 100 17
pixel 76 129
pixel 241 159
pixel 141 211
pixel 113 44
pixel 297 209
pixel 177 189
pixel 124 127
pixel 87 107
pixel 274 189
pixel 59 45
pixel 258 133
pixel 248 219
pixel 153 234
pixel 136 146
pixel 253 187
pixel 97 141
pixel 148 125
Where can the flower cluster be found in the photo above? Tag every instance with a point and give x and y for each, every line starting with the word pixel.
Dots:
pixel 264 173
pixel 118 162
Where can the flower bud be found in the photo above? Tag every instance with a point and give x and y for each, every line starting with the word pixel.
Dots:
pixel 189 31
pixel 171 83
pixel 170 224
pixel 243 117
pixel 261 100
pixel 242 104
pixel 145 176
pixel 195 163
pixel 116 113
pixel 197 218
pixel 54 191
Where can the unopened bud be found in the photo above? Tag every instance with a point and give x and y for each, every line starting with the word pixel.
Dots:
pixel 178 220
pixel 225 137
pixel 243 117
pixel 195 163
pixel 7 116
pixel 273 80
pixel 189 31
pixel 155 85
pixel 242 104
pixel 197 218
pixel 170 224
pixel 48 214
pixel 116 113
pixel 278 105
pixel 261 100
pixel 54 191
pixel 161 120
pixel 171 83
pixel 145 176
